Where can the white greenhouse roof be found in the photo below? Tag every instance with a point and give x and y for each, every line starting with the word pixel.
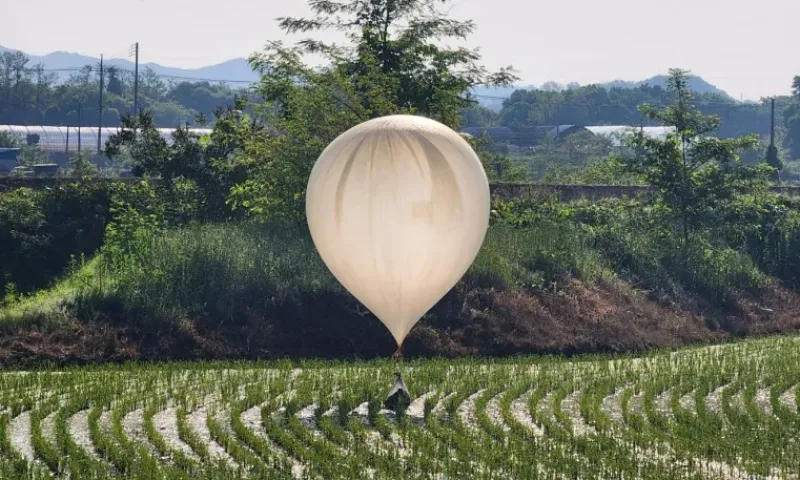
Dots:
pixel 616 132
pixel 65 139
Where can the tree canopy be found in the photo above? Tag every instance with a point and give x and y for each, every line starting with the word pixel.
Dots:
pixel 31 95
pixel 392 63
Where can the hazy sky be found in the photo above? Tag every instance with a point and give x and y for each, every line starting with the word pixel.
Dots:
pixel 745 47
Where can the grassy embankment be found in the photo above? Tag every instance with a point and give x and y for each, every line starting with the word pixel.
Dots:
pixel 548 283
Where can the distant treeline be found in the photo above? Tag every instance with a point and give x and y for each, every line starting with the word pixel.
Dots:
pixel 32 95
pixel 598 105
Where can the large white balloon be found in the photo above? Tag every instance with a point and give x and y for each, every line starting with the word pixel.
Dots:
pixel 398 208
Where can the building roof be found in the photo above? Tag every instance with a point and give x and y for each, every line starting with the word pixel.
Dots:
pixel 613 132
pixel 65 139
pixel 558 130
pixel 9 153
pixel 616 132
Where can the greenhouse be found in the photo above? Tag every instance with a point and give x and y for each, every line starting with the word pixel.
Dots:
pixel 69 139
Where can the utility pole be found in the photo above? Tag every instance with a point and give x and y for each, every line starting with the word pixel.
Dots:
pixel 773 159
pixel 136 80
pixel 100 108
pixel 80 108
pixel 772 124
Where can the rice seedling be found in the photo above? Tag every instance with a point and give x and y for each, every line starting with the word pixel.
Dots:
pixel 714 412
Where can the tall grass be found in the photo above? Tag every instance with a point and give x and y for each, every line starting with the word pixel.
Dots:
pixel 657 260
pixel 221 269
pixel 217 270
pixel 535 258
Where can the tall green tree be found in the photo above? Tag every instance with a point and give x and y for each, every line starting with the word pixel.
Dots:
pixel 115 84
pixel 697 176
pixel 774 161
pixel 392 62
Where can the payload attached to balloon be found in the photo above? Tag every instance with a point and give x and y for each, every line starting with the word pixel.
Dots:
pixel 398 208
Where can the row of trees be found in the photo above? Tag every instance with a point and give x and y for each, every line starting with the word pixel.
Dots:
pixel 598 105
pixel 32 95
pixel 259 161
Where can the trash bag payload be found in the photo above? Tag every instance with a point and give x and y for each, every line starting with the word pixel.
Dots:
pixel 399 398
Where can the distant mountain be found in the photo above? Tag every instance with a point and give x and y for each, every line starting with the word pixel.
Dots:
pixel 236 69
pixel 239 70
pixel 696 84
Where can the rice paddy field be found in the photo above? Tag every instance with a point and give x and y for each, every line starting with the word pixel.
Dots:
pixel 725 412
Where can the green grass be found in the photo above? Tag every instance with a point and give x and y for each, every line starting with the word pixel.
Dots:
pixel 47 305
pixel 220 271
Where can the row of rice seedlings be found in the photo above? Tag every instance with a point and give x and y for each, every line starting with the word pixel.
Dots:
pixel 244 457
pixel 44 449
pixel 14 465
pixel 276 464
pixel 80 463
pixel 689 428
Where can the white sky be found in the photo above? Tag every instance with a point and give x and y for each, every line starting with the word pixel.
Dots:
pixel 745 47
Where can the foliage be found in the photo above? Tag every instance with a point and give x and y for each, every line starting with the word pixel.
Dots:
pixel 9 140
pixel 639 245
pixel 553 159
pixel 391 64
pixel 773 161
pixel 41 230
pixel 208 164
pixel 32 155
pixel 499 166
pixel 599 105
pixel 138 217
pixel 476 115
pixel 603 171
pixel 30 95
pixel 792 121
pixel 697 177
pixel 545 255
pixel 80 166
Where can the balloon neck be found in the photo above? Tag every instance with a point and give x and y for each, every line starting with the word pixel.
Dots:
pixel 398 354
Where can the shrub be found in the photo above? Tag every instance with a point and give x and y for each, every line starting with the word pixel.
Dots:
pixel 41 230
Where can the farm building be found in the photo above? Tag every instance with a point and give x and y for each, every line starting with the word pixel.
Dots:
pixel 66 139
pixel 613 132
pixel 533 136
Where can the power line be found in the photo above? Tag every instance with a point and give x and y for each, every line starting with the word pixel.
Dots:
pixel 725 106
pixel 160 75
pixel 706 103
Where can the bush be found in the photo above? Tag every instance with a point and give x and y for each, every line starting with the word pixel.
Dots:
pixel 541 256
pixel 40 230
pixel 642 251
pixel 213 271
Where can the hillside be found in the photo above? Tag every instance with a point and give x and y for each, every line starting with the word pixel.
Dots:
pixel 697 84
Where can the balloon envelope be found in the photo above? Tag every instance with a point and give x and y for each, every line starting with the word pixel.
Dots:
pixel 398 208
